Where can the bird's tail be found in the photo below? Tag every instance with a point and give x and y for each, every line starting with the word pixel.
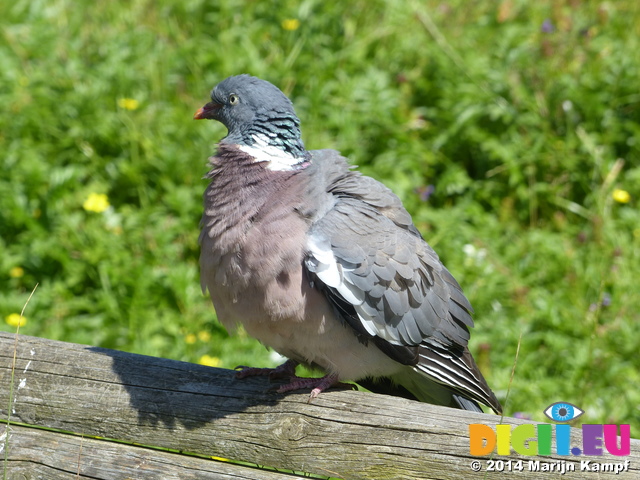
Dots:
pixel 445 378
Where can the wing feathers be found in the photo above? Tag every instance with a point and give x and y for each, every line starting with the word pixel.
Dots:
pixel 457 371
pixel 387 283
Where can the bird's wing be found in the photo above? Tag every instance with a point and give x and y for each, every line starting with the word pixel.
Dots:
pixel 367 252
pixel 389 285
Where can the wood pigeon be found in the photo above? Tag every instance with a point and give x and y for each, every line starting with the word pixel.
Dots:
pixel 324 265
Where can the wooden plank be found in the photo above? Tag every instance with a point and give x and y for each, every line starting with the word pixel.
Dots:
pixel 34 453
pixel 182 406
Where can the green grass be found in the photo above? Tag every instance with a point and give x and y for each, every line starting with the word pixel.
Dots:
pixel 525 135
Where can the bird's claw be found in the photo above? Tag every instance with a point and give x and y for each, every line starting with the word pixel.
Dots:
pixel 287 369
pixel 318 384
pixel 243 371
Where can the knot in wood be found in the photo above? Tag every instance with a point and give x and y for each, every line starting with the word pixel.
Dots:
pixel 19 476
pixel 291 428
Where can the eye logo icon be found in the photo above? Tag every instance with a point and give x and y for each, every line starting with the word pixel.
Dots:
pixel 562 412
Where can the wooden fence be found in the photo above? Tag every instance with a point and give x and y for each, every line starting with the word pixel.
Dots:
pixel 92 413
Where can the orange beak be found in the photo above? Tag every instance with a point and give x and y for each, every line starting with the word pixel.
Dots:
pixel 209 111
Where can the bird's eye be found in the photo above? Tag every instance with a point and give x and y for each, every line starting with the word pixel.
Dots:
pixel 234 99
pixel 562 412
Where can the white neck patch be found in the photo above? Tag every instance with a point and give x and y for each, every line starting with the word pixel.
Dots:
pixel 261 151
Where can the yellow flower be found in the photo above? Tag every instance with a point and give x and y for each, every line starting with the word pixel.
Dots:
pixel 621 196
pixel 96 202
pixel 204 336
pixel 291 24
pixel 190 339
pixel 220 459
pixel 128 103
pixel 15 320
pixel 209 361
pixel 16 272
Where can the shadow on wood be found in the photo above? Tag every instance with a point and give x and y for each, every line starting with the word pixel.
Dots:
pixel 183 407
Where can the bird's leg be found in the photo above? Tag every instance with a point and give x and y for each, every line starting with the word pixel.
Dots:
pixel 287 369
pixel 318 384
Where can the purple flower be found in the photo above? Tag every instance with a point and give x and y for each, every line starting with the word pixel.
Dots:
pixel 547 26
pixel 425 192
pixel 522 415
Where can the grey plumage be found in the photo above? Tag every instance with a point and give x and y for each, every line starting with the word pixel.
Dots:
pixel 324 264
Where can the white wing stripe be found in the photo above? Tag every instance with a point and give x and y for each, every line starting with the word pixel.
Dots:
pixel 452 378
pixel 324 264
pixel 454 368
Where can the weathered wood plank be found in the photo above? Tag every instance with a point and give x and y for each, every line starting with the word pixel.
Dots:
pixel 37 454
pixel 182 406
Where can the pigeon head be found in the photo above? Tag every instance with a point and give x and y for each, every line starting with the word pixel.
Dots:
pixel 260 119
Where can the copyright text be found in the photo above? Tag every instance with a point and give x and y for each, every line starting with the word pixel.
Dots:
pixel 561 467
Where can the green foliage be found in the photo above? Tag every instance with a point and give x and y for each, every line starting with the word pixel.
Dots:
pixel 524 116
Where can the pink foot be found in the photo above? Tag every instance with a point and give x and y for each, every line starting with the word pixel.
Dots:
pixel 318 385
pixel 287 369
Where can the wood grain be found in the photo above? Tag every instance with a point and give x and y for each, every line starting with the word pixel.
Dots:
pixel 47 455
pixel 207 411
